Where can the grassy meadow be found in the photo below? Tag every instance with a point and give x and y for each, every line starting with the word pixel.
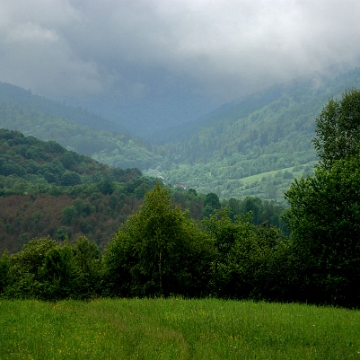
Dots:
pixel 176 329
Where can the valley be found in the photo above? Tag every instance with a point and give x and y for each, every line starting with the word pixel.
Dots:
pixel 253 146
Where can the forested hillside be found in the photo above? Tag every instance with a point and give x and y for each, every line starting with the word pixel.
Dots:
pixel 46 190
pixel 113 149
pixel 256 145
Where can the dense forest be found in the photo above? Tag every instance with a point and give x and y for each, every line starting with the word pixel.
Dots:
pixel 161 250
pixel 48 190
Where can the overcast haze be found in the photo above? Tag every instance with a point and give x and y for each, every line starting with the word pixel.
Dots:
pixel 184 54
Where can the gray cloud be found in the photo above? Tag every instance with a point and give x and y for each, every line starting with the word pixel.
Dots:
pixel 217 49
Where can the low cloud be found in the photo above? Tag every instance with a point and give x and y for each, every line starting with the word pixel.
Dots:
pixel 218 49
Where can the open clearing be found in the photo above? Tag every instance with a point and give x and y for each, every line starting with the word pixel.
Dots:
pixel 176 329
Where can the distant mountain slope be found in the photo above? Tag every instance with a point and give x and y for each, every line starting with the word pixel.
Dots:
pixel 24 98
pixel 261 134
pixel 320 86
pixel 234 110
pixel 40 162
pixel 109 148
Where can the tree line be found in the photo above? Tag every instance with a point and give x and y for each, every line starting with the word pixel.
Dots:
pixel 159 251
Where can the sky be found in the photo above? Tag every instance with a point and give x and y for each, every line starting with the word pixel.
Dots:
pixel 170 57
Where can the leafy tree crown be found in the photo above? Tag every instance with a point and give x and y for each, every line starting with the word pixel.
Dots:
pixel 338 129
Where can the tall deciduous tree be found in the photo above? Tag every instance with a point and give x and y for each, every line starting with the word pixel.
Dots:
pixel 158 251
pixel 338 129
pixel 324 214
pixel 87 267
pixel 324 218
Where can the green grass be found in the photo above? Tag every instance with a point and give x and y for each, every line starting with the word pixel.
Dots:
pixel 176 329
pixel 258 177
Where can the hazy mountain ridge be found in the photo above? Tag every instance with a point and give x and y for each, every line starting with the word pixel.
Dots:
pixel 142 118
pixel 233 110
pixel 318 85
pixel 243 106
pixel 26 99
pixel 252 146
pixel 109 148
pixel 275 136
